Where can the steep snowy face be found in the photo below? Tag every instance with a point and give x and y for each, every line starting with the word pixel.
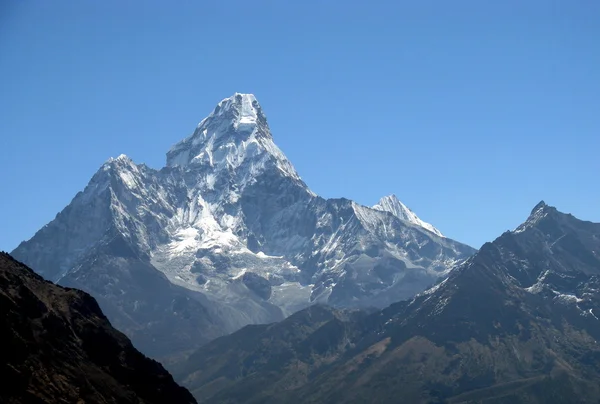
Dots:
pixel 108 205
pixel 235 136
pixel 235 186
pixel 393 205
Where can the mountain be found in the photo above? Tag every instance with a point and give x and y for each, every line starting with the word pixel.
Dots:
pixel 515 323
pixel 58 347
pixel 227 234
pixel 392 204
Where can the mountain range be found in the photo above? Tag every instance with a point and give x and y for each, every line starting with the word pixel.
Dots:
pixel 518 322
pixel 251 288
pixel 227 234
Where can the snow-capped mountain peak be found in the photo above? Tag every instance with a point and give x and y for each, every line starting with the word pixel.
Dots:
pixel 392 204
pixel 120 157
pixel 246 108
pixel 229 217
pixel 235 135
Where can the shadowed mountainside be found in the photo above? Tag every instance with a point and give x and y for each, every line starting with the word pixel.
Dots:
pixel 59 348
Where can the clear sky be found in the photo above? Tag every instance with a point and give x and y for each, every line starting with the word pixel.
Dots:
pixel 471 112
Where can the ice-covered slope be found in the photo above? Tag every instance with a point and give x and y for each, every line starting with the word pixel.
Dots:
pixel 393 205
pixel 228 217
pixel 235 136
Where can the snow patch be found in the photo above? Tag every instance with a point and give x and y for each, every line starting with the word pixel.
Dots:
pixel 435 288
pixel 393 205
pixel 568 298
pixel 184 239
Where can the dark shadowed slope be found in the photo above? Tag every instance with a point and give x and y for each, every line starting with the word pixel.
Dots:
pixel 516 323
pixel 276 356
pixel 58 347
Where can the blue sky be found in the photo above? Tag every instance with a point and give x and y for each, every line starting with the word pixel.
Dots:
pixel 471 112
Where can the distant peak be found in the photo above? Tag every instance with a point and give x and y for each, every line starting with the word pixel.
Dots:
pixel 540 211
pixel 235 120
pixel 391 198
pixel 243 95
pixel 120 157
pixel 393 205
pixel 234 133
pixel 122 167
pixel 542 208
pixel 120 161
pixel 237 99
pixel 247 96
pixel 540 205
pixel 242 109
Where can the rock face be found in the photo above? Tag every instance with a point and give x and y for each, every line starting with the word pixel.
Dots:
pixel 516 323
pixel 58 347
pixel 228 203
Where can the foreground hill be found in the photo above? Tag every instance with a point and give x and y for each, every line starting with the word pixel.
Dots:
pixel 58 347
pixel 516 323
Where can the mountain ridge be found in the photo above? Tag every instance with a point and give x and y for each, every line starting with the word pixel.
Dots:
pixel 392 204
pixel 514 323
pixel 230 219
